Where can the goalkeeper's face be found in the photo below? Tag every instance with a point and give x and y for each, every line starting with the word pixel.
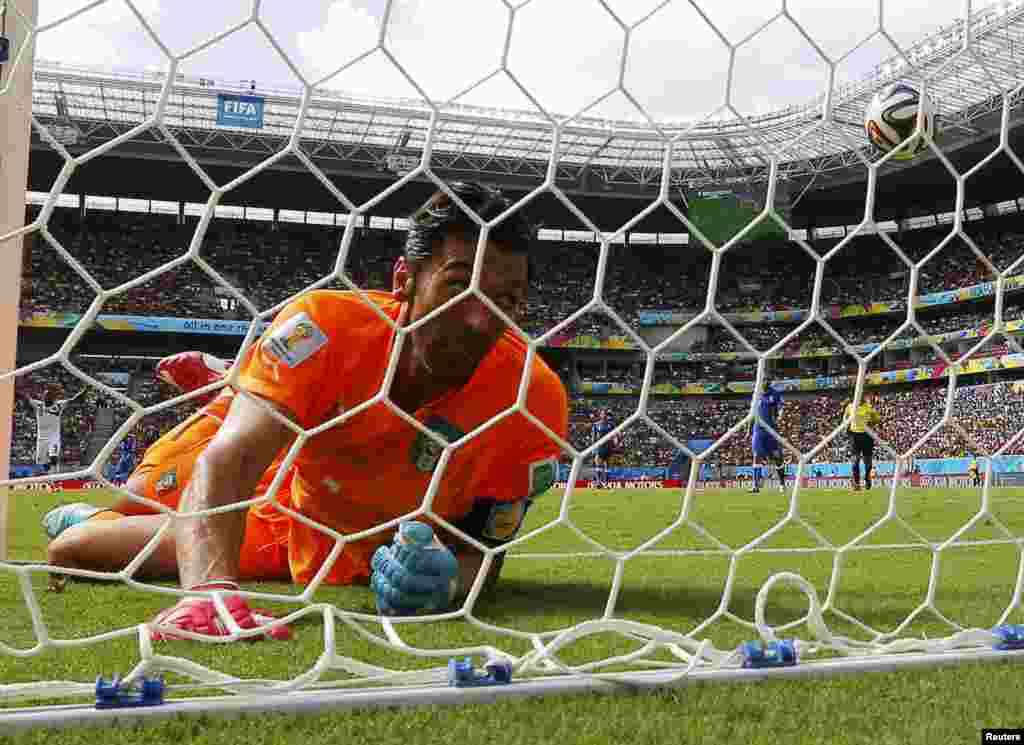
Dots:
pixel 452 344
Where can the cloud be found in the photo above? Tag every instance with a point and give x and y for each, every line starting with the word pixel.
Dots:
pixel 567 52
pixel 109 35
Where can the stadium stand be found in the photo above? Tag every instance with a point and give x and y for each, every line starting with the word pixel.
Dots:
pixel 990 414
pixel 268 261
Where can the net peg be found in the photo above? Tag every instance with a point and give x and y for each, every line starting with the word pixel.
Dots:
pixel 759 654
pixel 462 675
pixel 1010 636
pixel 109 694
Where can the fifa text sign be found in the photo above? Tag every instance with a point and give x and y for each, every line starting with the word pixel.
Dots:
pixel 239 111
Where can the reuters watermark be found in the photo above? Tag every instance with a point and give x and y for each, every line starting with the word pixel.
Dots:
pixel 1002 736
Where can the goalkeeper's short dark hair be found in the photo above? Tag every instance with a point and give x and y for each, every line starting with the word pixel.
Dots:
pixel 440 215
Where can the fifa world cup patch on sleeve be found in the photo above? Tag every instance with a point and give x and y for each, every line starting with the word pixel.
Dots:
pixel 505 520
pixel 542 475
pixel 294 341
pixel 168 481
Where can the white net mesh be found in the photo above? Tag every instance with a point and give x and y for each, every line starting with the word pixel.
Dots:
pixel 758 152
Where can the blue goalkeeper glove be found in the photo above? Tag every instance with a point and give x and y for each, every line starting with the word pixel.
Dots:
pixel 416 573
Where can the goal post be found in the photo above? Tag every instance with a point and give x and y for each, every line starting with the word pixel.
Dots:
pixel 362 659
pixel 15 128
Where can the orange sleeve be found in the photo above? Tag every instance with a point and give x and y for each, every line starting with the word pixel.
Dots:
pixel 291 364
pixel 534 467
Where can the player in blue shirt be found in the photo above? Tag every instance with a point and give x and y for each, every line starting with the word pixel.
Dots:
pixel 599 429
pixel 126 459
pixel 765 446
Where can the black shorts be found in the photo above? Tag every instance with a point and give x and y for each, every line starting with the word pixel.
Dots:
pixel 604 452
pixel 861 443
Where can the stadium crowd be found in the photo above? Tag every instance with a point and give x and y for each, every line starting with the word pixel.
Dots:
pixel 269 261
pixel 131 377
pixel 990 415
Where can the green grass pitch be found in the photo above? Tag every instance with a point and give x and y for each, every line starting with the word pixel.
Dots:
pixel 881 586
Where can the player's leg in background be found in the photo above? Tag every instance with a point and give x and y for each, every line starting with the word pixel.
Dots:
pixel 53 456
pixel 106 539
pixel 780 470
pixel 869 460
pixel 109 545
pixel 855 461
pixel 756 478
pixel 601 468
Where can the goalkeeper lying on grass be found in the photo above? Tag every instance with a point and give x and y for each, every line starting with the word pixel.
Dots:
pixel 326 353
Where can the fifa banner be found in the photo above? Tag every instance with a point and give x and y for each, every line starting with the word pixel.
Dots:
pixel 962 481
pixel 586 341
pixel 154 324
pixel 1003 464
pixel 244 112
pixel 1013 327
pixel 1009 470
pixel 222 327
pixel 114 379
pixel 823 382
pixel 66 485
pixel 939 472
pixel 960 295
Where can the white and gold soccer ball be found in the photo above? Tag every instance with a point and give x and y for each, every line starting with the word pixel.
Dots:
pixel 891 118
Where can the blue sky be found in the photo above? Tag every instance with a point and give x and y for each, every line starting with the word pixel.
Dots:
pixel 565 52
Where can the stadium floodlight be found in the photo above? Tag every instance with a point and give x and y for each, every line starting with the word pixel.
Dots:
pixel 535 660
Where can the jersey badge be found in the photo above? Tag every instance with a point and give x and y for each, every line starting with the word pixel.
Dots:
pixel 294 341
pixel 505 520
pixel 425 451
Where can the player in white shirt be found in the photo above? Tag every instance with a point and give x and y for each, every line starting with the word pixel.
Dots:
pixel 49 412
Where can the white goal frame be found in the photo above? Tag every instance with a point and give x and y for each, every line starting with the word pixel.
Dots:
pixel 693 659
pixel 15 128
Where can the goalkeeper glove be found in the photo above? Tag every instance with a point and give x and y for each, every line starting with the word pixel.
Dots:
pixel 200 616
pixel 416 573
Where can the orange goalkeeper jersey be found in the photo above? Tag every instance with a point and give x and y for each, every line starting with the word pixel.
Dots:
pixel 326 353
pixel 168 463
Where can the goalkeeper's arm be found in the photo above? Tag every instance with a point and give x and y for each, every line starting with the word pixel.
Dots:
pixel 227 472
pixel 470 560
pixel 492 523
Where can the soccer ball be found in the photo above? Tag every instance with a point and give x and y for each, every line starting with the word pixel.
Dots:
pixel 892 117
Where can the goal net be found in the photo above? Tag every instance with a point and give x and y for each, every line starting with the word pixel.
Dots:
pixel 592 591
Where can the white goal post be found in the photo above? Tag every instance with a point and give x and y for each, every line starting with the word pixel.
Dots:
pixel 338 678
pixel 15 126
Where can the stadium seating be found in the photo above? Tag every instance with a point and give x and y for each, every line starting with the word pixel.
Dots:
pixel 991 415
pixel 268 262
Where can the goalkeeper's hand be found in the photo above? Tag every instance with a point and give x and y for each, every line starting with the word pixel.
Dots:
pixel 200 616
pixel 416 573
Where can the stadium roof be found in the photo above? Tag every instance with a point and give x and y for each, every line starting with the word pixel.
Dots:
pixel 377 137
